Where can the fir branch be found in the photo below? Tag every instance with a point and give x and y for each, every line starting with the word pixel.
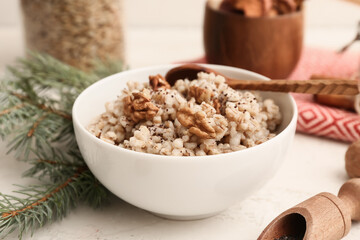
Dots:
pixel 52 162
pixel 38 130
pixel 27 100
pixel 40 87
pixel 54 165
pixel 15 112
pixel 38 202
pixel 48 72
pixel 10 109
pixel 29 120
pixel 36 99
pixel 35 125
pixel 38 205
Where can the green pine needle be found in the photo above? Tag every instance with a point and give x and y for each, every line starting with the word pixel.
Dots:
pixel 34 206
pixel 36 99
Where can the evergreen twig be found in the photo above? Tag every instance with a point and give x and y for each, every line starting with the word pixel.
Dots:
pixel 36 99
pixel 40 204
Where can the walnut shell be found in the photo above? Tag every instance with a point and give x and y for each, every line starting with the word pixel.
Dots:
pixel 352 160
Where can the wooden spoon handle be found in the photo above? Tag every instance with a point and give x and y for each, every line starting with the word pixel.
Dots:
pixel 338 87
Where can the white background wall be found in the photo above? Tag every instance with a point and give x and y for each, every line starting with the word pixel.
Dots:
pixel 159 13
pixel 189 13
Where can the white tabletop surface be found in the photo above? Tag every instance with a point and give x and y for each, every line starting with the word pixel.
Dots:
pixel 313 164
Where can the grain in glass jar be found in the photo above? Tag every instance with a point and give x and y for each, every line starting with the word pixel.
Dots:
pixel 78 32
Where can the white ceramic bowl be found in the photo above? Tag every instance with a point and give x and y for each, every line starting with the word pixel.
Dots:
pixel 172 186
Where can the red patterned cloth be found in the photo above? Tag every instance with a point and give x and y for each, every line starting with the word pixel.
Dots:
pixel 318 119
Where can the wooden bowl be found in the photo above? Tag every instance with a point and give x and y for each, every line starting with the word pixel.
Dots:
pixel 270 46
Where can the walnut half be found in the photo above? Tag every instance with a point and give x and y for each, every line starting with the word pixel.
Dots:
pixel 201 94
pixel 138 107
pixel 196 122
pixel 158 81
pixel 204 95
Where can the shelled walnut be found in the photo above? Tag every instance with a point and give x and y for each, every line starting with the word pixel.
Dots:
pixel 138 107
pixel 196 122
pixel 200 94
pixel 158 81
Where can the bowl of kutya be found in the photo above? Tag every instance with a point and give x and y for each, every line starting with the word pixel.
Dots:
pixel 264 36
pixel 186 151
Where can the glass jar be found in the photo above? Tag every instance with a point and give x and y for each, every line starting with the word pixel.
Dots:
pixel 78 32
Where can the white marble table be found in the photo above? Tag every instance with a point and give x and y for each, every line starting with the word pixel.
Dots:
pixel 313 164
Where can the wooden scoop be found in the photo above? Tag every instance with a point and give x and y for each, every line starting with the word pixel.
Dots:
pixel 322 217
pixel 325 86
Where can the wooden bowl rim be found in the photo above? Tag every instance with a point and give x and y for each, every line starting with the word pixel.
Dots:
pixel 295 14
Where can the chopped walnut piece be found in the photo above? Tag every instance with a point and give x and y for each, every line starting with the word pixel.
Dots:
pixel 138 107
pixel 196 122
pixel 158 81
pixel 216 105
pixel 200 94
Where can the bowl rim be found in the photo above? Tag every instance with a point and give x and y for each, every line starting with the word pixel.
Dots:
pixel 80 127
